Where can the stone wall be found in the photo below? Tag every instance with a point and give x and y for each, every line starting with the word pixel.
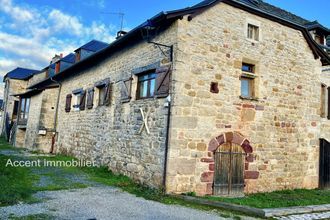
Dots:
pixel 32 126
pixel 41 118
pixel 13 86
pixel 110 135
pixel 282 126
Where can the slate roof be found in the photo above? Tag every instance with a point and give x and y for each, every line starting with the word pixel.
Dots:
pixel 69 58
pixel 94 46
pixel 265 7
pixel 164 19
pixel 21 73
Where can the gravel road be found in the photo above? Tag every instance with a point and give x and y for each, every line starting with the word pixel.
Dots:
pixel 102 203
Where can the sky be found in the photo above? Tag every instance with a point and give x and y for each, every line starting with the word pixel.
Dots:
pixel 33 31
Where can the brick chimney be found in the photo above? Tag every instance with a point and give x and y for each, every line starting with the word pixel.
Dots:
pixel 58 64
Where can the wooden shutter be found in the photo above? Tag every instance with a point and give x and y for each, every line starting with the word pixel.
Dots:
pixel 329 103
pixel 90 98
pixel 163 81
pixel 68 103
pixel 107 96
pixel 126 90
pixel 82 103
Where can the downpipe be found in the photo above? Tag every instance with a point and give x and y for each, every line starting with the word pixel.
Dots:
pixel 52 149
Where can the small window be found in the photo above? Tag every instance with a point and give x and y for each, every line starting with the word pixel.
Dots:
pixel 146 85
pixel 248 67
pixel 247 84
pixel 253 32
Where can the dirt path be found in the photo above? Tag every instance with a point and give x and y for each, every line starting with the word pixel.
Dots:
pixel 85 199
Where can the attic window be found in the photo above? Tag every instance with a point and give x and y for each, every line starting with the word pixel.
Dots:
pixel 253 32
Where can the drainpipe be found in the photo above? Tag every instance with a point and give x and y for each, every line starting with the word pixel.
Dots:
pixel 167 142
pixel 56 114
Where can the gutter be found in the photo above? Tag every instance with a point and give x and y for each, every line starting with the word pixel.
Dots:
pixel 56 114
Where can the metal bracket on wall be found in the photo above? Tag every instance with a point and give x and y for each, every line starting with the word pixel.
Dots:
pixel 170 47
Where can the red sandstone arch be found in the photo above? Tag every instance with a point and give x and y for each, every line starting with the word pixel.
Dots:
pixel 230 137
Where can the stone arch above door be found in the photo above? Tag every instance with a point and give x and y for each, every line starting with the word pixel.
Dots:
pixel 230 137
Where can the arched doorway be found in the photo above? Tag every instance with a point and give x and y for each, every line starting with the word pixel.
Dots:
pixel 229 160
pixel 228 153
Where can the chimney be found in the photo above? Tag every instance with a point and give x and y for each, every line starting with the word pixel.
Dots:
pixel 57 67
pixel 120 34
pixel 58 64
pixel 55 59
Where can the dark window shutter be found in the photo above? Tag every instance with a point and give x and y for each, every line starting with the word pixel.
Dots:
pixel 107 97
pixel 90 98
pixel 82 101
pixel 329 103
pixel 126 90
pixel 163 81
pixel 68 103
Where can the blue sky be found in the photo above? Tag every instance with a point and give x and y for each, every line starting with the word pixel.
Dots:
pixel 32 31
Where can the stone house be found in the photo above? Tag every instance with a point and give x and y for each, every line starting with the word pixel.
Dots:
pixel 15 82
pixel 225 97
pixel 38 107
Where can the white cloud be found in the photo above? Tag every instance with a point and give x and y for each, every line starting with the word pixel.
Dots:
pixel 33 37
pixel 18 13
pixel 62 22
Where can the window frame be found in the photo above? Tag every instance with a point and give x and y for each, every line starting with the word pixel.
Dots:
pixel 255 32
pixel 76 101
pixel 101 99
pixel 248 74
pixel 251 84
pixel 149 80
pixel 26 110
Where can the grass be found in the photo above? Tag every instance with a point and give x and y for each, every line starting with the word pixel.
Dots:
pixel 15 182
pixel 279 199
pixel 18 184
pixel 32 217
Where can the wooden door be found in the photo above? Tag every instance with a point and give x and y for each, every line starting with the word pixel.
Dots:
pixel 324 180
pixel 229 170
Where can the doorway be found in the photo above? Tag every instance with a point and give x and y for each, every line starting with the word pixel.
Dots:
pixel 229 170
pixel 324 175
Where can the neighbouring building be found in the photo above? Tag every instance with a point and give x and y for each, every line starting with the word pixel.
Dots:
pixel 15 82
pixel 224 98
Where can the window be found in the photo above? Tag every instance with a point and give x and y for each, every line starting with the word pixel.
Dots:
pixel 253 32
pixel 247 80
pixel 247 87
pixel 248 67
pixel 323 100
pixel 146 85
pixel 24 110
pixel 76 101
pixel 102 94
